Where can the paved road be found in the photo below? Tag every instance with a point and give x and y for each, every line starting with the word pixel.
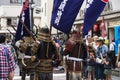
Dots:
pixel 56 76
pixel 60 76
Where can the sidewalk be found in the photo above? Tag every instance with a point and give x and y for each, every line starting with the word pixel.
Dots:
pixel 116 72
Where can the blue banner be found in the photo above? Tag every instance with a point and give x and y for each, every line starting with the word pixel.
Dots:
pixel 64 14
pixel 93 10
pixel 25 17
pixel 117 39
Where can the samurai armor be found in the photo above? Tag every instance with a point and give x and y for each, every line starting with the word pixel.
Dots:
pixel 74 66
pixel 45 66
pixel 28 63
pixel 70 45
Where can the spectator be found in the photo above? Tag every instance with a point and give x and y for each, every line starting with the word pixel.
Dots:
pixel 101 50
pixel 94 43
pixel 112 50
pixel 89 40
pixel 112 45
pixel 91 64
pixel 7 63
pixel 107 66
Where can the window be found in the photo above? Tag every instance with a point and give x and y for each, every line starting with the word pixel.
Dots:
pixel 16 1
pixel 108 7
pixel 11 21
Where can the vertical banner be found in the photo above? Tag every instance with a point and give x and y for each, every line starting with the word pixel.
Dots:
pixel 25 17
pixel 93 10
pixel 117 38
pixel 103 28
pixel 64 14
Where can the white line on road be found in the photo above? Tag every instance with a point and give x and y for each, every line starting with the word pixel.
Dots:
pixel 54 75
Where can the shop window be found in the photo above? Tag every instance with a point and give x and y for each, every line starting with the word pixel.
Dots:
pixel 11 21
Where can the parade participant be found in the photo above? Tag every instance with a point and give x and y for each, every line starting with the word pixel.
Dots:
pixel 47 54
pixel 102 49
pixel 7 62
pixel 91 60
pixel 76 51
pixel 25 62
pixel 107 65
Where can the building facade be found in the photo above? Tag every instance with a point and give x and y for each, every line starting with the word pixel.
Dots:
pixel 111 16
pixel 47 7
pixel 10 9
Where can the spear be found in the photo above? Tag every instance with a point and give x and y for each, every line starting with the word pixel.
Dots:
pixel 11 32
pixel 13 27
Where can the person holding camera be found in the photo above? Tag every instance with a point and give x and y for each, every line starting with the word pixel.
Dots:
pixel 91 64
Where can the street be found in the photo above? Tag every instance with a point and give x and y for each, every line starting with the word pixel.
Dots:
pixel 56 76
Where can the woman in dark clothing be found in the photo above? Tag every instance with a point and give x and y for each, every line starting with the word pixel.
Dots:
pixel 107 66
pixel 91 64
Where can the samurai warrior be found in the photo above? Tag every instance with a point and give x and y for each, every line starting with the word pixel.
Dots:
pixel 47 54
pixel 76 51
pixel 25 62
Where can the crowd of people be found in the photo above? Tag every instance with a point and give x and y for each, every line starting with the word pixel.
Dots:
pixel 100 59
pixel 98 64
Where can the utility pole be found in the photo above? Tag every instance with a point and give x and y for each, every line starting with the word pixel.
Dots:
pixel 31 15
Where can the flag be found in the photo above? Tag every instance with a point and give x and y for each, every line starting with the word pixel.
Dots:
pixel 93 10
pixel 103 28
pixel 64 13
pixel 25 17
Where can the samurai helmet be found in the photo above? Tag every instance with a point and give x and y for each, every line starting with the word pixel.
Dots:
pixel 44 34
pixel 45 30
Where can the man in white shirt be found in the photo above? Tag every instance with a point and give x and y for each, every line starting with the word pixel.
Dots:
pixel 112 50
pixel 112 45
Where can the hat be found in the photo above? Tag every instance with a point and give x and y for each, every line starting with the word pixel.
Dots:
pixel 100 39
pixel 95 38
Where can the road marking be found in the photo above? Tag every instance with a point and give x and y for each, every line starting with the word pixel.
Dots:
pixel 59 74
pixel 19 77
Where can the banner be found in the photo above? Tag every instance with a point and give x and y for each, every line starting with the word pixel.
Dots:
pixel 117 39
pixel 93 10
pixel 103 28
pixel 64 14
pixel 25 16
